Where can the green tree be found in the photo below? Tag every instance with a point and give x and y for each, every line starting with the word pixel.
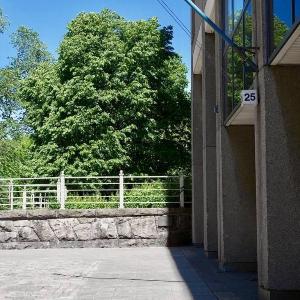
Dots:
pixel 3 21
pixel 14 141
pixel 115 99
pixel 31 51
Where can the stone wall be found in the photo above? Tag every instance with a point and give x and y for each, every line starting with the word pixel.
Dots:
pixel 95 228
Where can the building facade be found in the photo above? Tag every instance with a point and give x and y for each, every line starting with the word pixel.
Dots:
pixel 246 155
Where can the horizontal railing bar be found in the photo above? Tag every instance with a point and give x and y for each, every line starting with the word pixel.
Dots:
pixel 90 183
pixel 153 196
pixel 141 189
pixel 148 183
pixel 91 202
pixel 31 184
pixel 145 176
pixel 95 190
pixel 28 178
pixel 92 196
pixel 135 202
pixel 91 177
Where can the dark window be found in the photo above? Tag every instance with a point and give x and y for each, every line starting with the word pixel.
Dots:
pixel 297 10
pixel 237 75
pixel 284 15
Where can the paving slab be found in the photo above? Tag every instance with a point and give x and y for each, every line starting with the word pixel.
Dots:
pixel 118 273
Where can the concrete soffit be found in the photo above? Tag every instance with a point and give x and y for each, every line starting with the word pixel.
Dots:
pixel 210 11
pixel 197 55
pixel 244 114
pixel 289 54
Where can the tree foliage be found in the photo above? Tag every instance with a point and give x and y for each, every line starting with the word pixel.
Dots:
pixel 31 51
pixel 14 141
pixel 3 21
pixel 116 99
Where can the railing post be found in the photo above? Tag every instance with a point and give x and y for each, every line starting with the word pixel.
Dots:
pixel 11 194
pixel 62 190
pixel 121 189
pixel 181 184
pixel 24 198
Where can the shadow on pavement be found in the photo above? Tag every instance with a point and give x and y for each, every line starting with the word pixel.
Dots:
pixel 206 282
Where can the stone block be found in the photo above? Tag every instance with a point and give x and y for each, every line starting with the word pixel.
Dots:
pixel 63 229
pixel 6 226
pixel 41 214
pixel 27 234
pixel 144 227
pixel 6 237
pixel 86 220
pixel 44 231
pixel 124 228
pixel 164 221
pixel 13 215
pixel 76 213
pixel 127 243
pixel 23 223
pixel 104 229
pixel 83 231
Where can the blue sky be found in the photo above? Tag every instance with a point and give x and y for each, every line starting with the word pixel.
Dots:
pixel 50 18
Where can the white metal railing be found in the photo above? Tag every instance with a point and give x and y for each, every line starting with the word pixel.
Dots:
pixel 94 192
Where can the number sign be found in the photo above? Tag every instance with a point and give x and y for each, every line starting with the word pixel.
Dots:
pixel 249 97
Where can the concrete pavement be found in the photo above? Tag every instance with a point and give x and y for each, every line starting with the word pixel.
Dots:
pixel 127 273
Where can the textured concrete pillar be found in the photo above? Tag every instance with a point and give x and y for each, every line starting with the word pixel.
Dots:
pixel 209 146
pixel 235 182
pixel 278 183
pixel 277 134
pixel 197 164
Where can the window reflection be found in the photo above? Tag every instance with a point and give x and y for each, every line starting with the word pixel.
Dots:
pixel 285 14
pixel 297 10
pixel 229 16
pixel 238 76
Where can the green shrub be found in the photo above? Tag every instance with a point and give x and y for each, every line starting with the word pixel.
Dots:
pixel 91 202
pixel 147 195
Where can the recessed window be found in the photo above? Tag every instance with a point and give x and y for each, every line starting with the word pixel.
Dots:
pixel 284 15
pixel 297 10
pixel 238 75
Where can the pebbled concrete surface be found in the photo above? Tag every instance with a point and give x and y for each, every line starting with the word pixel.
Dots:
pixel 126 273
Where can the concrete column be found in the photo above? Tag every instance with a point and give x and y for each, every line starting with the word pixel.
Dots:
pixel 197 164
pixel 278 183
pixel 277 134
pixel 209 146
pixel 235 182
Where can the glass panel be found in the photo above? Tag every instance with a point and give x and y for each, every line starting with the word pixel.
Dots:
pixel 238 74
pixel 297 9
pixel 239 34
pixel 248 26
pixel 229 16
pixel 229 81
pixel 282 20
pixel 238 8
pixel 238 78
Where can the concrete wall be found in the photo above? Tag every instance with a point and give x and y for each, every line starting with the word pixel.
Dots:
pixel 278 180
pixel 197 160
pixel 277 135
pixel 95 228
pixel 209 146
pixel 235 181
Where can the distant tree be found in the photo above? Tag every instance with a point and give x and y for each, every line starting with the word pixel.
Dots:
pixel 31 51
pixel 14 142
pixel 116 99
pixel 3 21
pixel 15 157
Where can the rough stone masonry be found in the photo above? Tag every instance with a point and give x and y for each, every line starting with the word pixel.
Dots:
pixel 95 228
